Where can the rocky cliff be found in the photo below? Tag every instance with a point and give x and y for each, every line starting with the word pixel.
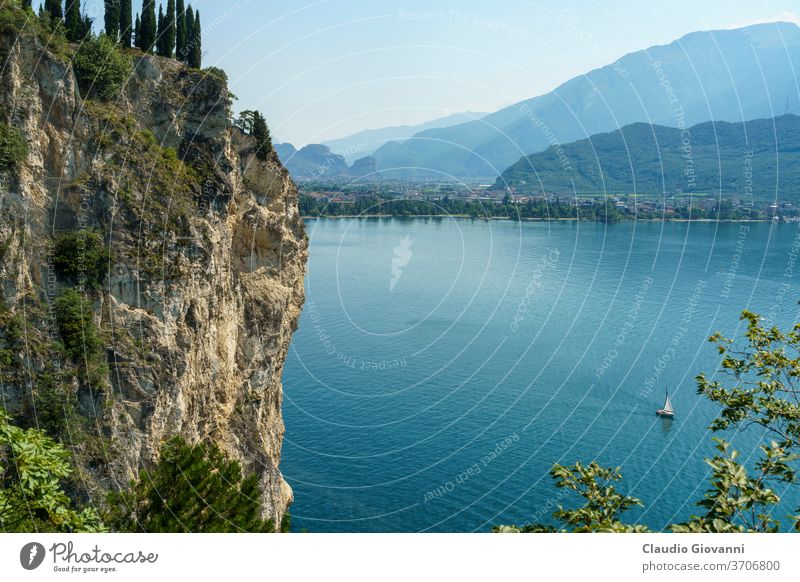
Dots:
pixel 204 278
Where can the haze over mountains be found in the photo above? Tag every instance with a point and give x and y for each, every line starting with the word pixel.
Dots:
pixel 364 143
pixel 317 162
pixel 725 75
pixel 757 159
pixel 349 157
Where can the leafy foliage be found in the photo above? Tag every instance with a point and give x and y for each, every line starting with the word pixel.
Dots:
pixel 759 386
pixel 81 256
pixel 32 466
pixel 13 147
pixel 603 506
pixel 101 68
pixel 762 381
pixel 81 339
pixel 193 488
pixel 737 502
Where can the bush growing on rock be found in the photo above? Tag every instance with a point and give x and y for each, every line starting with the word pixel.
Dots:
pixel 81 256
pixel 192 489
pixel 32 467
pixel 81 339
pixel 101 67
pixel 13 148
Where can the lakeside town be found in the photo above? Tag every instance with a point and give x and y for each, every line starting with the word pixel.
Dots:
pixel 401 198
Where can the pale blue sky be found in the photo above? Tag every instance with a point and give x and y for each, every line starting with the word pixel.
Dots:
pixel 320 69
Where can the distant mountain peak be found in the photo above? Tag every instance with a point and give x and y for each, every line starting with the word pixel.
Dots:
pixel 729 75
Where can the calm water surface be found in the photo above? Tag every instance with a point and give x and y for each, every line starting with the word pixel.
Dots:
pixel 442 366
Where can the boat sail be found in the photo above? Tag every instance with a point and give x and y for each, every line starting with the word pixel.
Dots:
pixel 667 411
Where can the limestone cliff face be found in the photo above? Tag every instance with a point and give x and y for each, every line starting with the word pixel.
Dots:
pixel 208 250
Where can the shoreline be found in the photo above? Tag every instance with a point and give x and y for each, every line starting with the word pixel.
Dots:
pixel 570 219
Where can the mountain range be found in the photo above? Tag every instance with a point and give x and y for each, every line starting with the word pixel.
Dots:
pixel 759 158
pixel 317 162
pixel 723 75
pixel 364 143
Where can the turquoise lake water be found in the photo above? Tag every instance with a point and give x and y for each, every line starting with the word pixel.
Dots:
pixel 442 366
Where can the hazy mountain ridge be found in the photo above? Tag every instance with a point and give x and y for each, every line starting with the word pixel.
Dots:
pixel 759 158
pixel 365 142
pixel 317 162
pixel 725 75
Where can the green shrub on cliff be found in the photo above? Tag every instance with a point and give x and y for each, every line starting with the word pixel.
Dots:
pixel 193 488
pixel 81 256
pixel 80 336
pixel 13 148
pixel 32 466
pixel 101 68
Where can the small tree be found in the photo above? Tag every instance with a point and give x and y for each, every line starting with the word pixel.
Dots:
pixel 160 31
pixel 101 68
pixel 13 147
pixel 32 467
pixel 180 31
pixel 246 120
pixel 112 18
pixel 75 319
pixel 137 33
pixel 193 488
pixel 148 26
pixel 189 34
pixel 81 256
pixel 126 23
pixel 261 134
pixel 73 21
pixel 168 43
pixel 196 45
pixel 53 7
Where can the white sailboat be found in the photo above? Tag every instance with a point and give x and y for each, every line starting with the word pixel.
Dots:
pixel 667 410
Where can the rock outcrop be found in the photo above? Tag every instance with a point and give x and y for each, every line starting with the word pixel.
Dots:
pixel 208 255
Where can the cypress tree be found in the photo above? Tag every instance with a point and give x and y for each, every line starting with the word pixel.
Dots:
pixel 74 21
pixel 261 134
pixel 54 8
pixel 148 25
pixel 160 32
pixel 137 32
pixel 196 48
pixel 169 29
pixel 180 31
pixel 125 22
pixel 86 26
pixel 111 20
pixel 189 33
